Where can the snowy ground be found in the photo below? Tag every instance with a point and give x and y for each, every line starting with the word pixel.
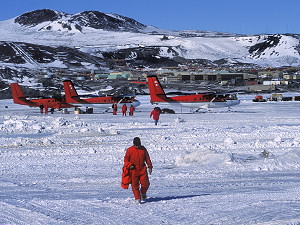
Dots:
pixel 208 167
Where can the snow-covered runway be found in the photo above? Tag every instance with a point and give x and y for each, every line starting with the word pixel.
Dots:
pixel 239 167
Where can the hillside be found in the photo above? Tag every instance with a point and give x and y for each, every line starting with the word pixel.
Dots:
pixel 110 36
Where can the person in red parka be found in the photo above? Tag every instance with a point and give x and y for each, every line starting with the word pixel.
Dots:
pixel 124 110
pixel 155 114
pixel 115 108
pixel 131 110
pixel 139 157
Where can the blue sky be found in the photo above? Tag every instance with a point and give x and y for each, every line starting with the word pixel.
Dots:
pixel 235 16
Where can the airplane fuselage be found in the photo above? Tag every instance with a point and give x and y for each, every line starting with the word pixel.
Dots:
pixel 105 103
pixel 49 102
pixel 198 105
pixel 198 101
pixel 202 100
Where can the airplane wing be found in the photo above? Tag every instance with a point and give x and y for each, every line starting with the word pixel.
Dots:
pixel 138 82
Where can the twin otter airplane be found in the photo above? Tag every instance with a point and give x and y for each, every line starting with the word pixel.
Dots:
pixel 71 99
pixel 198 101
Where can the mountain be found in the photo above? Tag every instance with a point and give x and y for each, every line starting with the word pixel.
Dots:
pixel 48 38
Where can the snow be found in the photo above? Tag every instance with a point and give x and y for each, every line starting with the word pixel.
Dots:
pixel 208 46
pixel 219 167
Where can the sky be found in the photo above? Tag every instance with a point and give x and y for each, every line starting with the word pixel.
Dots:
pixel 233 16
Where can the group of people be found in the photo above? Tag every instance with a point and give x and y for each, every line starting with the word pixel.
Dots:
pixel 45 109
pixel 155 113
pixel 123 110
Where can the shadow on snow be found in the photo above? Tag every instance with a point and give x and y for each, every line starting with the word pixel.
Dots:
pixel 167 198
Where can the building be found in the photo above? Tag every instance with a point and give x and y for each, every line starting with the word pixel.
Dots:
pixel 261 88
pixel 270 74
pixel 291 76
pixel 113 76
pixel 214 76
pixel 275 82
pixel 217 76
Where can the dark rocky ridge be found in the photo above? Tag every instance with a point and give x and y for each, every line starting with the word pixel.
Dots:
pixel 270 41
pixel 36 17
pixel 93 19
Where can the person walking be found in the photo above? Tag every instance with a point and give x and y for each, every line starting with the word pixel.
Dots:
pixel 155 114
pixel 124 110
pixel 137 157
pixel 131 110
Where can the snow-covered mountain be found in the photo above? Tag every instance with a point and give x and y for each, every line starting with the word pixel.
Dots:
pixel 110 36
pixel 53 20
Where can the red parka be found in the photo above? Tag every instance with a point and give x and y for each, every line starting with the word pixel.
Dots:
pixel 155 114
pixel 131 110
pixel 139 157
pixel 124 108
pixel 126 175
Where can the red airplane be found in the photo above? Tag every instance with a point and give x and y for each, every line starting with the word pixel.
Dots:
pixel 53 103
pixel 198 101
pixel 72 97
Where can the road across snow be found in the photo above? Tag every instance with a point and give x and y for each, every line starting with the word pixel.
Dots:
pixel 238 167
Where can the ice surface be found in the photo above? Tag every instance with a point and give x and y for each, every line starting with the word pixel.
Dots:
pixel 209 168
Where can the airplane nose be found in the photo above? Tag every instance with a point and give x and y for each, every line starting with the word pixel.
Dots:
pixel 137 103
pixel 236 102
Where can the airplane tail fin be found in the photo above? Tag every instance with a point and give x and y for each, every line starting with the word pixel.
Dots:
pixel 157 93
pixel 18 95
pixel 70 92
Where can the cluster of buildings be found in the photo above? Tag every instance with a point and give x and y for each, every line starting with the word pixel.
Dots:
pixel 256 81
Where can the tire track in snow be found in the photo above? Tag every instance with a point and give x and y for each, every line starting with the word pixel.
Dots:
pixel 23 53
